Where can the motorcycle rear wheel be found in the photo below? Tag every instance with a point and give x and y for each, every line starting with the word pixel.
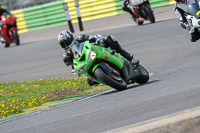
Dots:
pixel 108 80
pixel 143 75
pixel 149 13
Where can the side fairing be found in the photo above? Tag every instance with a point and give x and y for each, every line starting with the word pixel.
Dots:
pixel 82 64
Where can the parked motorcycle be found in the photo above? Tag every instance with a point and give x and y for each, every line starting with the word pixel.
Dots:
pixel 142 10
pixel 9 30
pixel 105 66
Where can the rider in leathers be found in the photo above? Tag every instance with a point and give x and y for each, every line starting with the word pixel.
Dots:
pixel 66 38
pixel 180 9
pixel 125 7
pixel 2 11
pixel 125 4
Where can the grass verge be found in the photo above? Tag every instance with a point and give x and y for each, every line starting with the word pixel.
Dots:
pixel 18 96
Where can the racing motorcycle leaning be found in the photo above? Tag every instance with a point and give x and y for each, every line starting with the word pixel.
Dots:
pixel 105 66
pixel 9 30
pixel 142 10
pixel 193 17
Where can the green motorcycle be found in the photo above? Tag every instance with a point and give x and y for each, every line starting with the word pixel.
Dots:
pixel 105 66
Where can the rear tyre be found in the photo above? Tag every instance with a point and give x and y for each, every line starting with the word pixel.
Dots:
pixel 149 13
pixel 108 80
pixel 143 75
pixel 16 38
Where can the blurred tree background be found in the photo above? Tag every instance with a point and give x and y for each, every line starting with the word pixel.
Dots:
pixel 18 4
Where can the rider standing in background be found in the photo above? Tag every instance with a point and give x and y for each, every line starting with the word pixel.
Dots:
pixel 66 40
pixel 180 9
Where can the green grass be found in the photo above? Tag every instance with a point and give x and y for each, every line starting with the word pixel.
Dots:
pixel 18 96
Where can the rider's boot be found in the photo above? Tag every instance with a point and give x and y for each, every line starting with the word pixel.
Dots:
pixel 112 42
pixel 126 55
pixel 129 57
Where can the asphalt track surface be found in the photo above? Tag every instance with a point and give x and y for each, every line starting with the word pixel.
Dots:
pixel 163 48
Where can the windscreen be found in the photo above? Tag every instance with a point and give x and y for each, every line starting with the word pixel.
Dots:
pixel 194 10
pixel 77 50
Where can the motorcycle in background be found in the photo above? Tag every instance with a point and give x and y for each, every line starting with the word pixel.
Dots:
pixel 142 10
pixel 193 16
pixel 9 30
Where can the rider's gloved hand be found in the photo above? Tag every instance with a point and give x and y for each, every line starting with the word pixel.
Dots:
pixel 82 38
pixel 99 41
pixel 97 36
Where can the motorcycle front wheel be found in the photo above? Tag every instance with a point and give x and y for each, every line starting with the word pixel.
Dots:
pixel 6 45
pixel 15 37
pixel 143 75
pixel 119 84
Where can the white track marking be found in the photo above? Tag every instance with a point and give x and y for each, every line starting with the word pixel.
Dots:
pixel 152 120
pixel 151 74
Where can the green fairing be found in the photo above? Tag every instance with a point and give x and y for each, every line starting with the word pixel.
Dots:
pixel 100 54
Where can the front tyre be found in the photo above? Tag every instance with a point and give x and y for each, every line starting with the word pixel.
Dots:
pixel 108 80
pixel 15 37
pixel 6 44
pixel 143 75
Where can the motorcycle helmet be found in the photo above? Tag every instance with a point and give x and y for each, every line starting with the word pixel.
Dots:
pixel 65 39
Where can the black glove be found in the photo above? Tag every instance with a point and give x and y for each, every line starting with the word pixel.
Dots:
pixel 82 38
pixel 99 41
